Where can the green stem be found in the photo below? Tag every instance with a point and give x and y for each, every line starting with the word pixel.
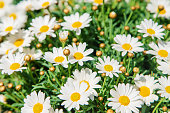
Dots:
pixel 117 80
pixel 9 106
pixel 156 16
pixel 158 105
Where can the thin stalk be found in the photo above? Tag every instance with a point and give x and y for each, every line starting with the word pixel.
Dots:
pixel 158 105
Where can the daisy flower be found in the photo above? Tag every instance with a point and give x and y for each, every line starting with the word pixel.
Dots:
pixel 63 36
pixel 78 54
pixel 56 57
pixel 12 63
pixel 56 111
pixel 42 4
pixel 125 99
pixel 3 99
pixel 27 5
pixel 146 85
pixel 75 22
pixel 153 8
pixel 5 48
pixel 88 77
pixel 43 26
pixel 8 26
pixel 108 66
pixel 164 87
pixel 20 40
pixel 149 28
pixel 164 66
pixel 127 44
pixel 160 51
pixel 36 103
pixel 4 6
pixel 34 54
pixel 97 2
pixel 74 95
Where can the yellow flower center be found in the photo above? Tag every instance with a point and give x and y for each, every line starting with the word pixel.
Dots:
pixel 75 97
pixel 44 28
pixel 151 31
pixel 86 83
pixel 76 24
pixel 124 100
pixel 10 28
pixel 15 66
pixel 2 4
pixel 167 88
pixel 13 15
pixel 7 51
pixel 144 91
pixel 28 7
pixel 19 42
pixel 59 59
pixel 78 55
pixel 163 53
pixel 108 68
pixel 45 4
pixel 98 1
pixel 38 108
pixel 162 12
pixel 127 46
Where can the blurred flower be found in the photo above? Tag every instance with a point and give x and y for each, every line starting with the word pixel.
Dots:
pixel 3 99
pixel 27 5
pixel 34 54
pixel 56 111
pixel 97 2
pixel 42 4
pixel 4 6
pixel 164 66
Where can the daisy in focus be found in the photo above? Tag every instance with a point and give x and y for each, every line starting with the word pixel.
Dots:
pixel 9 26
pixel 56 57
pixel 36 103
pixel 164 87
pixel 127 44
pixel 89 78
pixel 78 54
pixel 154 5
pixel 146 85
pixel 75 22
pixel 12 63
pixel 164 66
pixel 34 54
pixel 149 28
pixel 125 99
pixel 42 4
pixel 43 26
pixel 74 95
pixel 108 66
pixel 4 6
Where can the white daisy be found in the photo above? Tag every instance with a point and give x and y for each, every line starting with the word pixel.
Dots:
pixel 12 63
pixel 8 25
pixel 63 36
pixel 6 48
pixel 4 6
pixel 20 40
pixel 164 66
pixel 160 51
pixel 153 8
pixel 127 44
pixel 97 2
pixel 78 54
pixel 43 26
pixel 36 103
pixel 3 99
pixel 75 22
pixel 56 111
pixel 149 28
pixel 42 4
pixel 88 77
pixel 74 95
pixel 146 85
pixel 56 57
pixel 27 5
pixel 34 54
pixel 164 87
pixel 125 99
pixel 108 66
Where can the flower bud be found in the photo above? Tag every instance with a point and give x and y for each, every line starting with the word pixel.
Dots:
pixel 99 53
pixel 66 52
pixel 63 36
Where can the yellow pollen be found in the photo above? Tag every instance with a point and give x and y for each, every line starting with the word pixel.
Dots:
pixel 19 42
pixel 127 46
pixel 75 97
pixel 108 68
pixel 13 15
pixel 144 91
pixel 45 4
pixel 151 31
pixel 7 51
pixel 162 12
pixel 98 1
pixel 44 28
pixel 167 88
pixel 76 24
pixel 124 100
pixel 78 56
pixel 163 53
pixel 10 28
pixel 38 108
pixel 2 4
pixel 15 66
pixel 59 59
pixel 86 83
